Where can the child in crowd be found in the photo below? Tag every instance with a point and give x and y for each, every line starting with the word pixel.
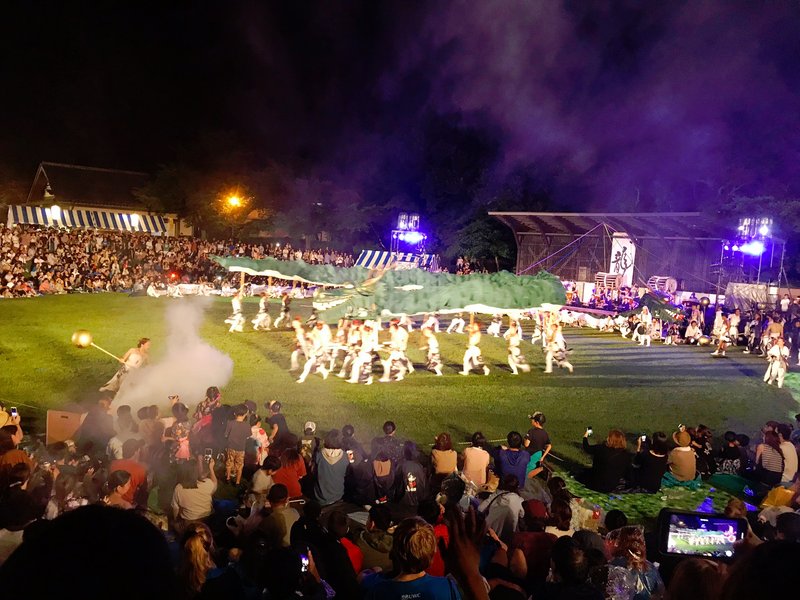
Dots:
pixel 236 433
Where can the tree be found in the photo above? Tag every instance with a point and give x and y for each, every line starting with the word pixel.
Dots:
pixel 484 237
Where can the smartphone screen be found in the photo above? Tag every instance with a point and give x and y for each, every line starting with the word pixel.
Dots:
pixel 702 535
pixel 208 454
pixel 304 562
pixel 14 411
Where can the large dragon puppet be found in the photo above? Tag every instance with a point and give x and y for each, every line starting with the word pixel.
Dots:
pixel 358 292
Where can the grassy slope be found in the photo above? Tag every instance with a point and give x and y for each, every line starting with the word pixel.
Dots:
pixel 616 384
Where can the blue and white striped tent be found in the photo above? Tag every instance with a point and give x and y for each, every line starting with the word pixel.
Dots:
pixel 378 259
pixel 87 219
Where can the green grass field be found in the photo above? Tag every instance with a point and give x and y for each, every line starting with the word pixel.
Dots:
pixel 615 384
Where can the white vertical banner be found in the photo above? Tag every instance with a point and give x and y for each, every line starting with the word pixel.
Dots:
pixel 623 254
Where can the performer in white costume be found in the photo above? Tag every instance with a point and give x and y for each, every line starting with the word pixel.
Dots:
pixel 263 321
pixel 236 320
pixel 432 346
pixel 397 361
pixel 319 351
pixel 301 345
pixel 457 324
pixel 132 359
pixel 516 360
pixel 556 350
pixel 362 365
pixel 405 321
pixel 431 322
pixel 494 327
pixel 778 357
pixel 472 356
pixel 353 343
pixel 286 311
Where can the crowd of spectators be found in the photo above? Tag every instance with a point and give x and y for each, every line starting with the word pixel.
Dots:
pixel 226 501
pixel 38 260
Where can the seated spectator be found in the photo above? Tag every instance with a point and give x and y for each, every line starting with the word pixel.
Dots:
pixel 277 525
pixel 351 444
pixel 729 458
pixel 769 460
pixel 331 467
pixel 375 541
pixel 307 530
pixel 560 518
pixel 389 443
pixel 570 573
pixel 117 485
pixel 789 451
pixel 339 529
pixel 530 549
pixel 193 495
pixel 615 519
pixel 17 506
pixel 106 538
pixel 787 527
pixel 444 459
pixel 610 462
pixel 512 460
pixel 476 460
pixel 67 495
pixel 503 509
pixel 131 463
pixel 126 429
pixel 413 482
pixel 772 565
pixel 650 463
pixel 682 461
pixel 412 551
pixel 11 437
pixel 697 578
pixel 292 470
pixel 626 546
pixel 262 478
pixel 385 483
pixel 309 442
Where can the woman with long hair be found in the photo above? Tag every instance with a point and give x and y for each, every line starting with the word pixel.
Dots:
pixel 626 546
pixel 476 459
pixel 769 460
pixel 67 495
pixel 196 559
pixel 132 359
pixel 610 462
pixel 117 485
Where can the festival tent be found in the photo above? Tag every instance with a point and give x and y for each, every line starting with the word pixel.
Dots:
pixel 409 292
pixel 659 308
pixel 380 259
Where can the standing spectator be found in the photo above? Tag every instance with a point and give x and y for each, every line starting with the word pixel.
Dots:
pixel 278 429
pixel 236 433
pixel 610 462
pixel 131 463
pixel 537 439
pixel 476 460
pixel 97 429
pixel 389 443
pixel 413 547
pixel 331 467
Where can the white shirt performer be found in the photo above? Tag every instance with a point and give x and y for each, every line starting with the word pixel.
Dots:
pixel 362 365
pixel 457 324
pixel 434 359
pixel 319 351
pixel 556 350
pixel 132 359
pixel 472 356
pixel 236 320
pixel 516 360
pixel 494 327
pixel 300 344
pixel 263 321
pixel 778 357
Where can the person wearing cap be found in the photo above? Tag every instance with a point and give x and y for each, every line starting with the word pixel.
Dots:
pixel 309 442
pixel 682 460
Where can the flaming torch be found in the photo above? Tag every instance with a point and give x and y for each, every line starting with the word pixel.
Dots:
pixel 83 339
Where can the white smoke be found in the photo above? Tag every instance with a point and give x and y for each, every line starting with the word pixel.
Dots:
pixel 190 366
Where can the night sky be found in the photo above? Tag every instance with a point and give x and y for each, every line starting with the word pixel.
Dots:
pixel 599 105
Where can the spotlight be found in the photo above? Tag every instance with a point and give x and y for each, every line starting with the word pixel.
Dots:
pixel 55 211
pixel 754 248
pixel 705 301
pixel 735 248
pixel 763 230
pixel 726 247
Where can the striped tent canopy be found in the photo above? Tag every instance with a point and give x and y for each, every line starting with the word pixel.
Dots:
pixel 377 259
pixel 87 219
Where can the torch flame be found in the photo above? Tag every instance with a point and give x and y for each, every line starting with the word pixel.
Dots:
pixel 82 338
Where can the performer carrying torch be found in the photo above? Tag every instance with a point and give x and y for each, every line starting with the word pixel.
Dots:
pixel 132 359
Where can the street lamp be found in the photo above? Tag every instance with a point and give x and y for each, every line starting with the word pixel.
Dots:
pixel 234 201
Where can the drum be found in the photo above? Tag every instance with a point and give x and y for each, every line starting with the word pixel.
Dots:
pixel 611 281
pixel 663 283
pixel 641 329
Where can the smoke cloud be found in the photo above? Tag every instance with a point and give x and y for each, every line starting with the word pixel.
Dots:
pixel 190 366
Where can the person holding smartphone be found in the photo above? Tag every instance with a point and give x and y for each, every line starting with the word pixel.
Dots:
pixel 650 462
pixel 11 437
pixel 610 461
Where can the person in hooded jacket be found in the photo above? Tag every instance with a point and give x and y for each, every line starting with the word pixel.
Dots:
pixel 331 465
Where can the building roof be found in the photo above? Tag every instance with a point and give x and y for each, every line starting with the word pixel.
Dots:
pixel 76 185
pixel 669 226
